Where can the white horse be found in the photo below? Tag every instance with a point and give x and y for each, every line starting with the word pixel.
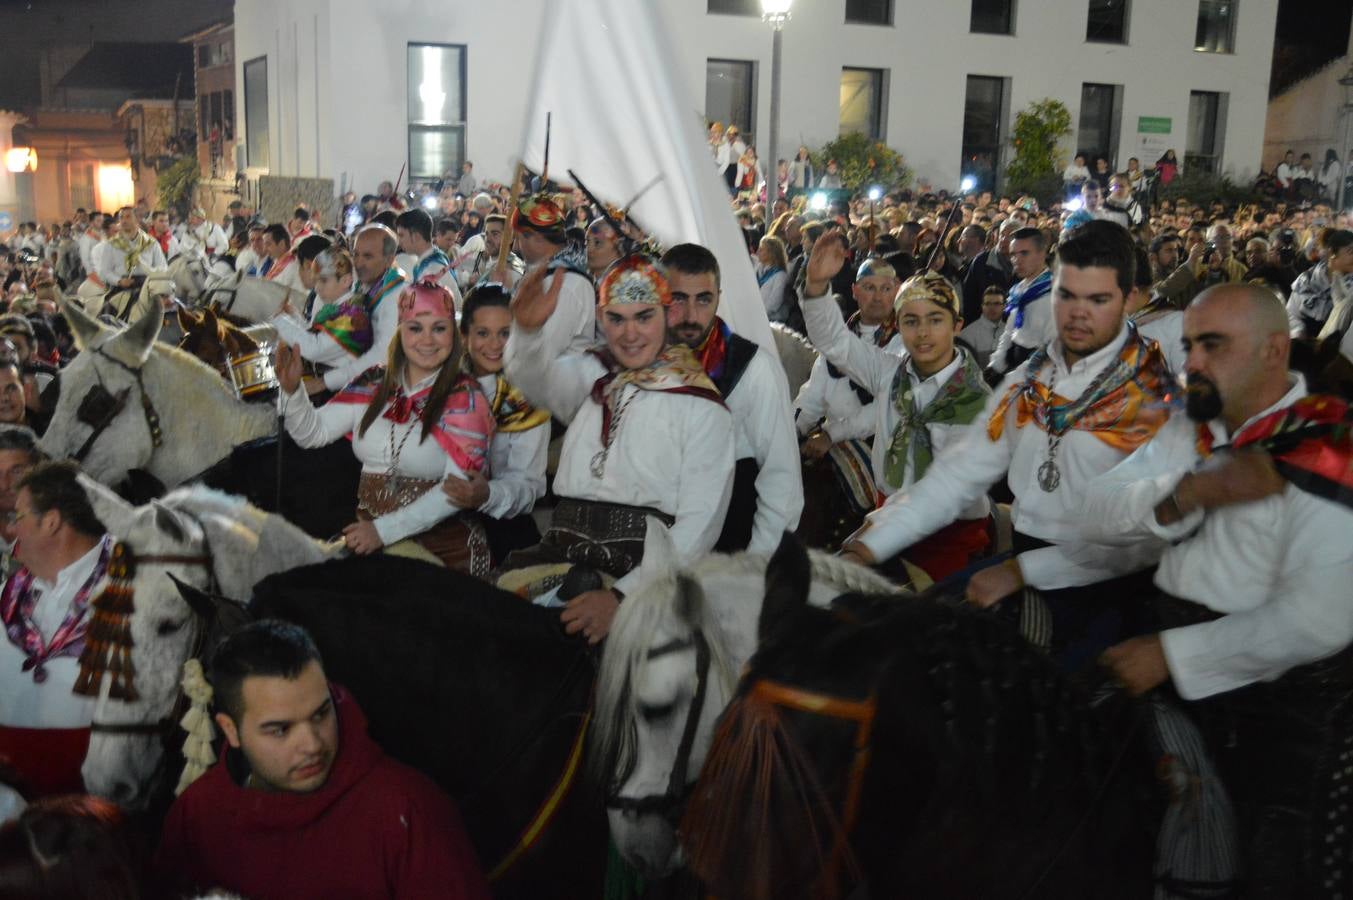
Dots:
pixel 131 402
pixel 204 539
pixel 252 298
pixel 669 668
pixel 796 356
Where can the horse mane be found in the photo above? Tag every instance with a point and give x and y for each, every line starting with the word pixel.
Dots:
pixel 848 577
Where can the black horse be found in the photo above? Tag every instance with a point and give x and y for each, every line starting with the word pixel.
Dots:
pixel 921 749
pixel 476 688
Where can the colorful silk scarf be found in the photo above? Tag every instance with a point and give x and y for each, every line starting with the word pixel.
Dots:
pixel 958 402
pixel 1311 443
pixel 17 602
pixel 1123 406
pixel 714 351
pixel 675 370
pixel 349 320
pixel 464 429
pixel 512 412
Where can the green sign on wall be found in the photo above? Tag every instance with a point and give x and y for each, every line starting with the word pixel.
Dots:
pixel 1154 125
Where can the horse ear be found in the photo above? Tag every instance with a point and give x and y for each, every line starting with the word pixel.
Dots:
pixel 82 326
pixel 169 522
pixel 788 576
pixel 188 319
pixel 212 608
pixel 690 600
pixel 210 323
pixel 115 513
pixel 140 337
pixel 660 553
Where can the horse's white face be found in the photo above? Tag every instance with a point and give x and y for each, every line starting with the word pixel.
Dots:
pixel 189 271
pixel 122 767
pixel 106 364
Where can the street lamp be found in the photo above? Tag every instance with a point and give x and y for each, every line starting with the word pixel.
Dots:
pixel 776 14
pixel 1347 113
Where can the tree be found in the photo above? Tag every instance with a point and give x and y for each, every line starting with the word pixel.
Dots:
pixel 861 161
pixel 1037 164
pixel 176 184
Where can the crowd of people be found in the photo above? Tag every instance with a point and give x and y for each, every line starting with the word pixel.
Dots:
pixel 1116 370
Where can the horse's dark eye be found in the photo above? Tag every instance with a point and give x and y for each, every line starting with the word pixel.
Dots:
pixel 656 713
pixel 169 626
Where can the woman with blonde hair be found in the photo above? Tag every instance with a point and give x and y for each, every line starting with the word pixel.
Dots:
pixel 771 275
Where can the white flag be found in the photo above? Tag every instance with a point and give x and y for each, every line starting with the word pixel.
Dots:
pixel 620 118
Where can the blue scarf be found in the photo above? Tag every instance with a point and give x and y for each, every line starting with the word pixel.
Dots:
pixel 767 275
pixel 436 257
pixel 1017 299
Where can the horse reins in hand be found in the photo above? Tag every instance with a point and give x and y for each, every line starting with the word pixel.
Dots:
pixel 668 805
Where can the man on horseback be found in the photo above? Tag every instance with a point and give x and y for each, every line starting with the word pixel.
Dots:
pixel 1247 503
pixel 128 258
pixel 648 436
pixel 303 804
pixel 934 392
pixel 1093 395
pixel 44 606
pixel 767 484
pixel 204 236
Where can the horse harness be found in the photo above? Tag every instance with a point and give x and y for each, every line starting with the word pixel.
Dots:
pixel 100 408
pixel 669 804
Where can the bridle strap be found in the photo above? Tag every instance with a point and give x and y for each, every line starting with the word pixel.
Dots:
pixel 119 404
pixel 147 408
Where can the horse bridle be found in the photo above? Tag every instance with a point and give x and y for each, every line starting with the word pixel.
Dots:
pixel 669 804
pixel 99 410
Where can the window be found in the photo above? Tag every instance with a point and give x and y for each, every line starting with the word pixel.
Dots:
pixel 256 112
pixel 993 17
pixel 862 102
pixel 1207 125
pixel 82 186
pixel 983 124
pixel 736 7
pixel 869 12
pixel 1107 22
pixel 1101 110
pixel 730 86
pixel 436 110
pixel 1216 26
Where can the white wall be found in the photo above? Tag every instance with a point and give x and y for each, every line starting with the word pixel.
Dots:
pixel 337 72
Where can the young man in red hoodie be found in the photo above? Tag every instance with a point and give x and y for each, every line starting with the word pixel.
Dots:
pixel 303 804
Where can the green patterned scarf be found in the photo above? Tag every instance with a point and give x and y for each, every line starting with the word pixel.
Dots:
pixel 958 402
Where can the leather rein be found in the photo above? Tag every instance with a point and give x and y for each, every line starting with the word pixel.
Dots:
pixel 119 403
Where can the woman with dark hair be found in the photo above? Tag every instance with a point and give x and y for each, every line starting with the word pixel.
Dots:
pixel 1167 167
pixel 422 389
pixel 520 447
pixel 68 848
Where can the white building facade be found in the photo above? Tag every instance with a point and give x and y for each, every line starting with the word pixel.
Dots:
pixel 354 89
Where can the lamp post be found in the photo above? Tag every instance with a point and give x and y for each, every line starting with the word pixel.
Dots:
pixel 1346 113
pixel 775 13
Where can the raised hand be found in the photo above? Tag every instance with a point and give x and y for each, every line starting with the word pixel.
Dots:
pixel 827 259
pixel 287 364
pixel 533 304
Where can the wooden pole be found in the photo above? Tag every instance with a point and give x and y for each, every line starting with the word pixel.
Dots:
pixel 509 229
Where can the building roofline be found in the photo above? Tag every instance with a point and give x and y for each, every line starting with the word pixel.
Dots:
pixel 203 32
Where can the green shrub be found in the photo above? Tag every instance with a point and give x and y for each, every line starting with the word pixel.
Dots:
pixel 861 161
pixel 1036 167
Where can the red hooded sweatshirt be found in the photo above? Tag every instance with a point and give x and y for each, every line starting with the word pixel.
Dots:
pixel 376 830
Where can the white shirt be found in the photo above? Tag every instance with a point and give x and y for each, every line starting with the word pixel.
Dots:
pixel 317 346
pixel 113 259
pixel 834 403
pixel 421 459
pixel 23 702
pixel 958 478
pixel 1285 173
pixel 773 295
pixel 384 325
pixel 1277 569
pixel 517 461
pixel 208 237
pixel 671 452
pixel 1167 329
pixel 88 241
pixel 248 261
pixel 572 327
pixel 764 427
pixel 875 369
pixel 1039 328
pixel 981 336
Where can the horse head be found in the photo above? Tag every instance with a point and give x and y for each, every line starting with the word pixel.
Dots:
pixel 203 553
pixel 189 274
pixel 102 419
pixel 668 670
pixel 213 339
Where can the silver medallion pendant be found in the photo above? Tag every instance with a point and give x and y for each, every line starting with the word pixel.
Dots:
pixel 1049 476
pixel 598 465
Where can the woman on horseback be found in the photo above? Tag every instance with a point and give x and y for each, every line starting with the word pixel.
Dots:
pixel 423 389
pixel 521 437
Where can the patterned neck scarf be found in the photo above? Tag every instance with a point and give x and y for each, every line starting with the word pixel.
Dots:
pixel 1311 442
pixel 1123 407
pixel 675 370
pixel 713 351
pixel 132 248
pixel 17 602
pixel 1020 297
pixel 958 402
pixel 348 320
pixel 511 411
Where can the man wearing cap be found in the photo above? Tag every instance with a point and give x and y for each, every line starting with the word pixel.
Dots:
pixel 379 282
pixel 768 483
pixel 202 236
pixel 648 434
pixel 932 393
pixel 541 241
pixel 421 258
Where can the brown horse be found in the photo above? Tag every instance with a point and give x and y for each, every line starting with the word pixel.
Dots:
pixel 221 341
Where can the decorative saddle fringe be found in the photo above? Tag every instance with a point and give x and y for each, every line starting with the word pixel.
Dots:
pixel 197 751
pixel 108 641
